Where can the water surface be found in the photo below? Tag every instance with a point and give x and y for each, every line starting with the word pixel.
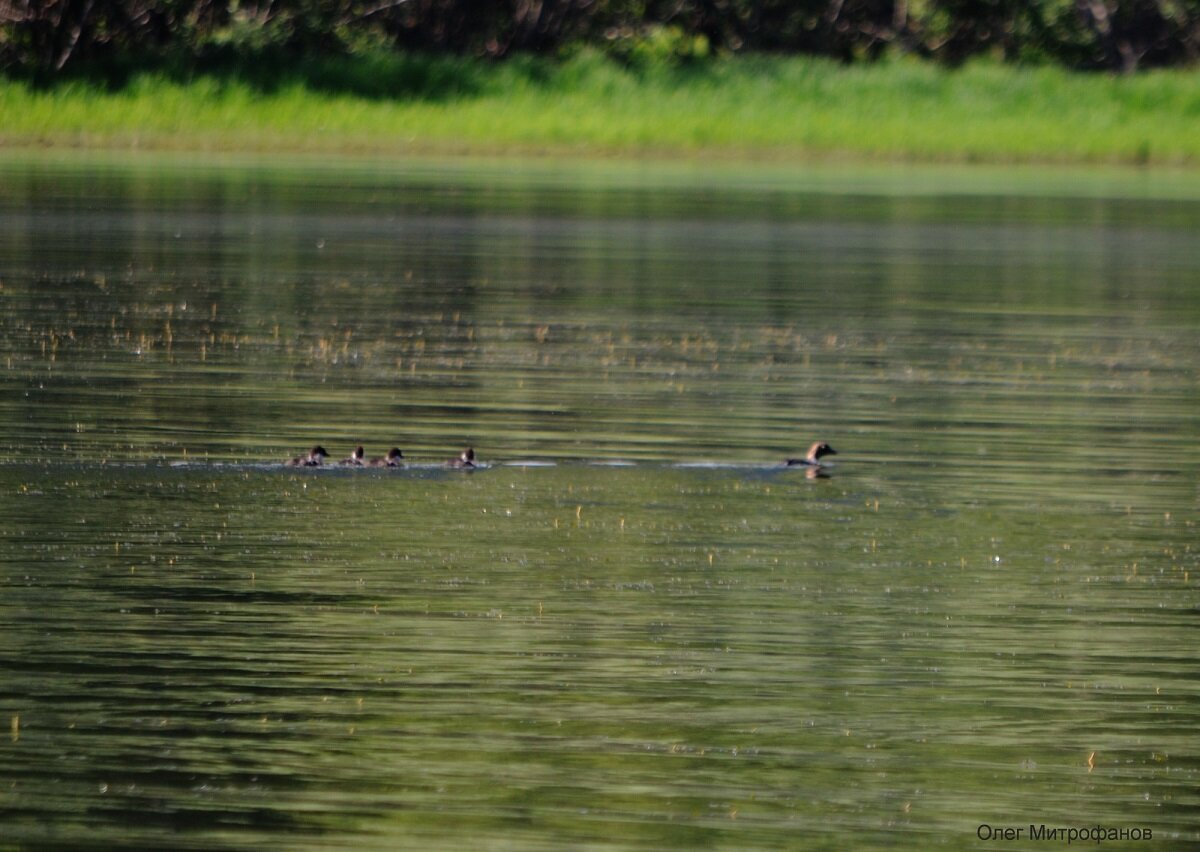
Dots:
pixel 984 614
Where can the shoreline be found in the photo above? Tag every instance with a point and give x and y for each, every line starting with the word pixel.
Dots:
pixel 350 148
pixel 846 175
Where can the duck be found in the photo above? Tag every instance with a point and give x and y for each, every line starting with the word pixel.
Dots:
pixel 314 458
pixel 816 452
pixel 392 459
pixel 465 460
pixel 355 459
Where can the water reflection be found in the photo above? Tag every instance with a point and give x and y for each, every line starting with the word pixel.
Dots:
pixel 633 625
pixel 230 316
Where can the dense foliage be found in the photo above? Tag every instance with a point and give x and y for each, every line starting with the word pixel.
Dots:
pixel 44 37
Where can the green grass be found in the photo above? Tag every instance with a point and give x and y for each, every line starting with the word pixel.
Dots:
pixel 742 107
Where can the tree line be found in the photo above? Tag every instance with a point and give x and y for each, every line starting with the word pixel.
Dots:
pixel 49 37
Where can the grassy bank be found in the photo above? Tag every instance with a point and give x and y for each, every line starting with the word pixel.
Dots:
pixel 742 107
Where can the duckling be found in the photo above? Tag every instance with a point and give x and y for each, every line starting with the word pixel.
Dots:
pixel 392 459
pixel 355 459
pixel 314 458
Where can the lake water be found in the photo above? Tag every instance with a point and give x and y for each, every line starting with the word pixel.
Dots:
pixel 632 627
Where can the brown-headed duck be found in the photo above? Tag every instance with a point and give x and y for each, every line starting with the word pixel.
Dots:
pixel 355 459
pixel 465 460
pixel 315 457
pixel 815 453
pixel 392 459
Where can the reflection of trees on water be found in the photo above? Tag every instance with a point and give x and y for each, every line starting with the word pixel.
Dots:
pixel 254 314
